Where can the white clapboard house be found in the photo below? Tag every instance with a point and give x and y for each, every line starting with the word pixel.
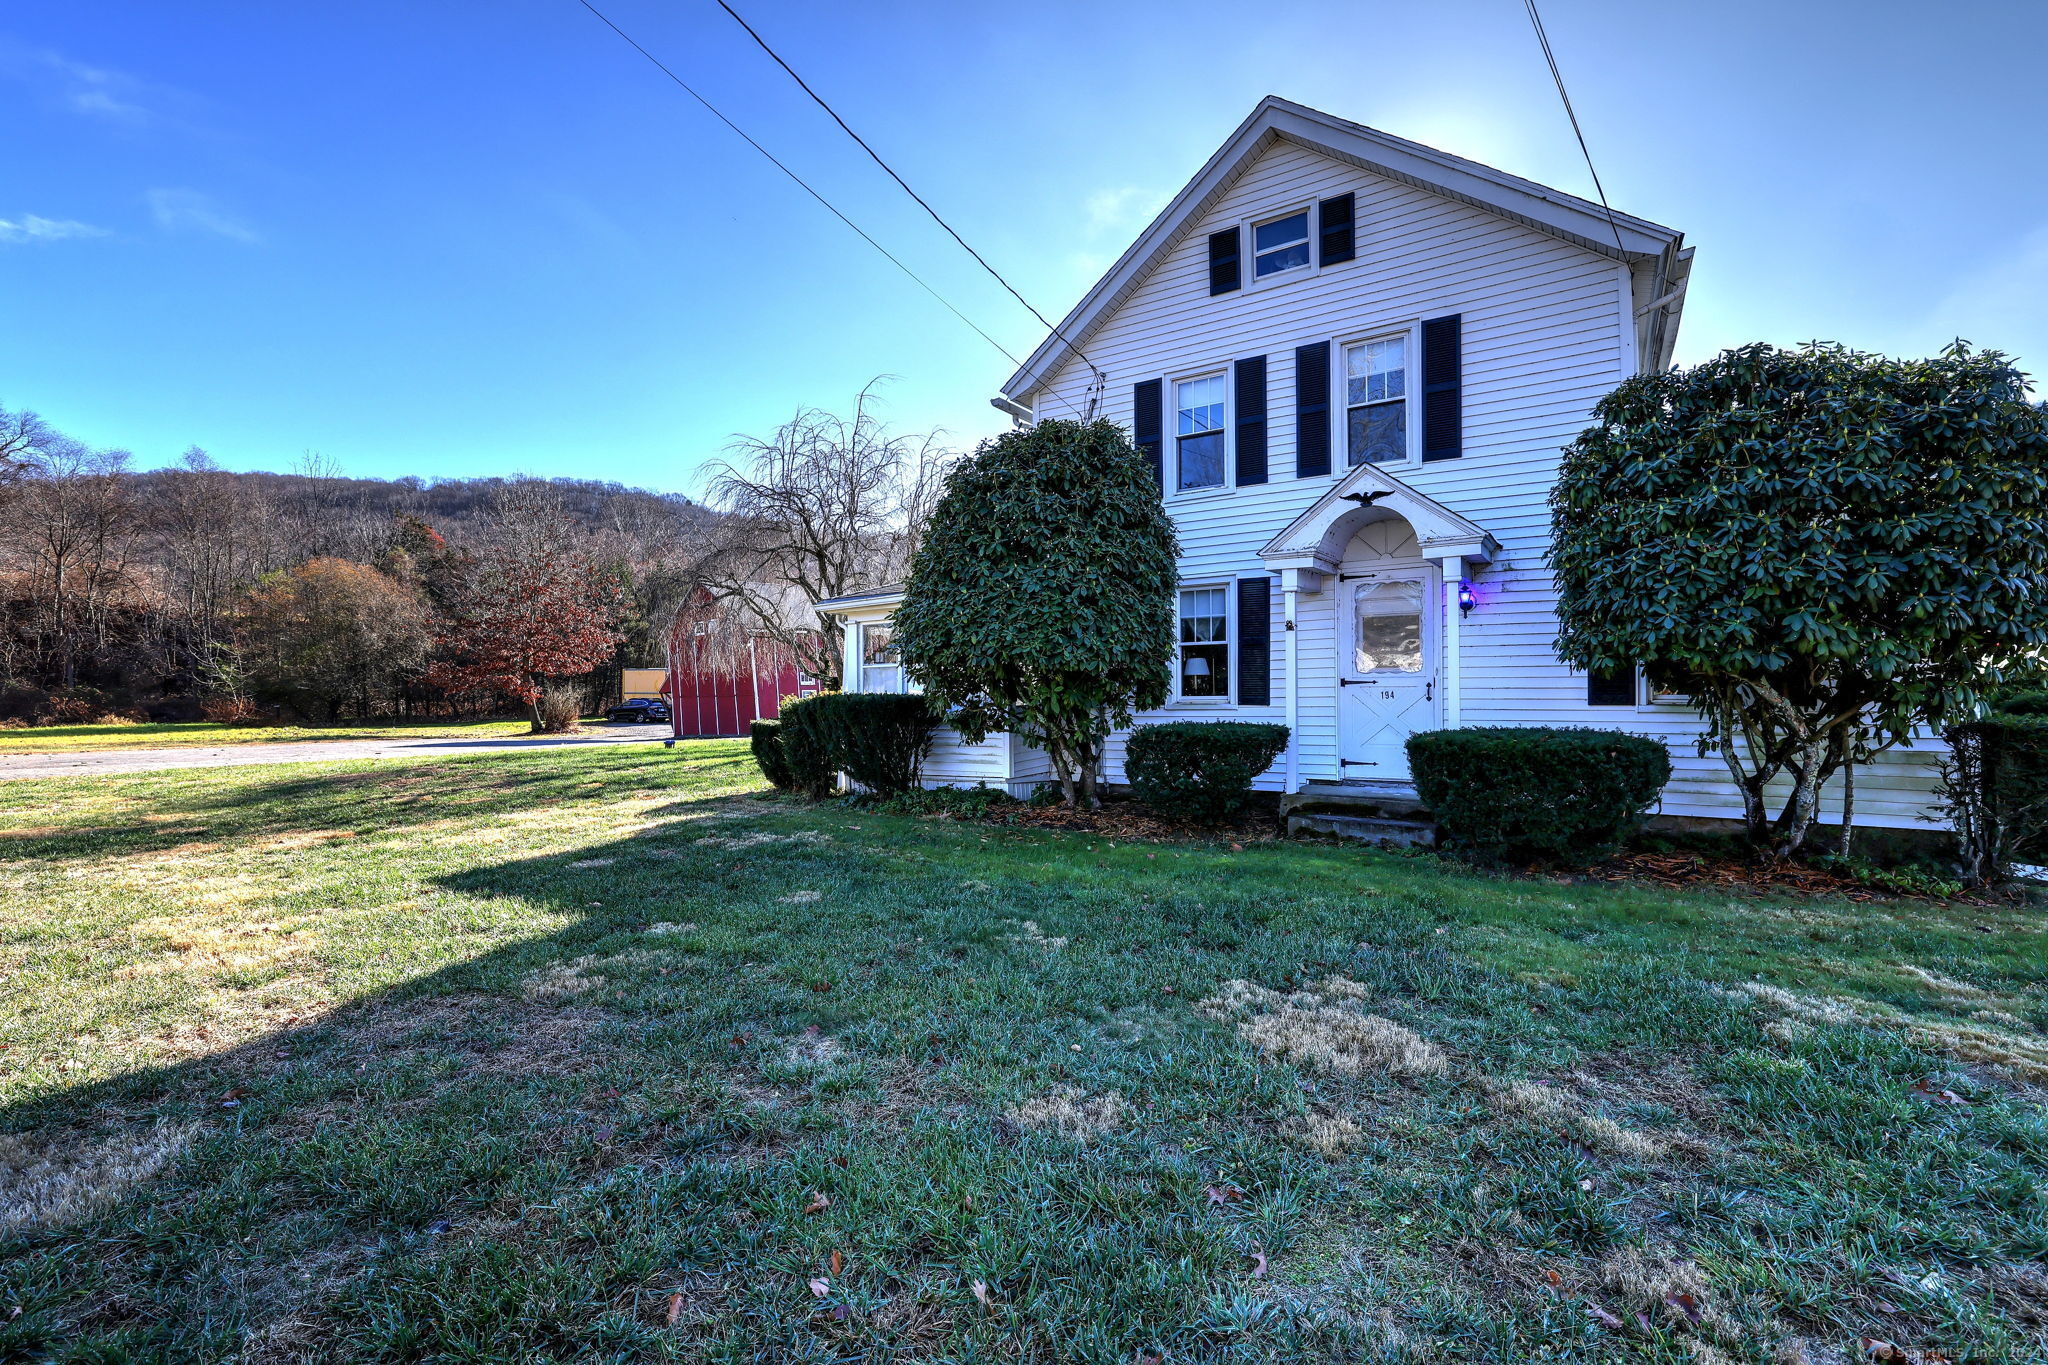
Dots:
pixel 1355 361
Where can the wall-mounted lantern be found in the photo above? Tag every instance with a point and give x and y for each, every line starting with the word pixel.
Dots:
pixel 1466 599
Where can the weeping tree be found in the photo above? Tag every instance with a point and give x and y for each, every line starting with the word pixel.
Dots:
pixel 1041 599
pixel 1825 549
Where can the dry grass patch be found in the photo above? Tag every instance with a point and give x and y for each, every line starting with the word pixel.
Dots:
pixel 50 1178
pixel 800 898
pixel 2024 1057
pixel 1326 1029
pixel 1549 1107
pixel 1327 1133
pixel 1071 1112
pixel 205 945
pixel 761 838
pixel 562 981
pixel 1029 935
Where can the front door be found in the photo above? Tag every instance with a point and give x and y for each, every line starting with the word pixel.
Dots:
pixel 1386 679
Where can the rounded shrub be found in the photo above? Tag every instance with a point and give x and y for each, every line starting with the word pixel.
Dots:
pixel 1200 770
pixel 1534 794
pixel 764 737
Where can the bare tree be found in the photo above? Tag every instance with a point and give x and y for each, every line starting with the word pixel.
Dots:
pixel 827 506
pixel 212 536
pixel 71 527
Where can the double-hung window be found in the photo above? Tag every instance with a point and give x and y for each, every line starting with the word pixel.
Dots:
pixel 1199 432
pixel 880 668
pixel 1376 401
pixel 1280 245
pixel 1205 642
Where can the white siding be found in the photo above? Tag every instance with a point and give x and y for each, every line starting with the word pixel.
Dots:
pixel 1547 332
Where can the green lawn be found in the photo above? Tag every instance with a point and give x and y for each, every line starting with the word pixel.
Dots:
pixel 604 1056
pixel 50 739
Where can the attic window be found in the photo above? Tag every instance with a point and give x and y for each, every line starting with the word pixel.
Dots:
pixel 1280 245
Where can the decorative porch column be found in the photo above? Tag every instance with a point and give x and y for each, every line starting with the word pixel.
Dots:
pixel 1288 592
pixel 1454 576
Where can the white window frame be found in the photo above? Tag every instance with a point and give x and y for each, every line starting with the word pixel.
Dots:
pixel 1250 228
pixel 861 654
pixel 1411 396
pixel 1170 458
pixel 1228 588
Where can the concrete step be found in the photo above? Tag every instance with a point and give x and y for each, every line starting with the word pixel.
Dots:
pixel 1371 828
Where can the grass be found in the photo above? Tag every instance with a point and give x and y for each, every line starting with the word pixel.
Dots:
pixel 605 1056
pixel 54 739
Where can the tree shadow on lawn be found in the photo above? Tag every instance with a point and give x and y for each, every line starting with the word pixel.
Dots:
pixel 610 1141
pixel 531 1151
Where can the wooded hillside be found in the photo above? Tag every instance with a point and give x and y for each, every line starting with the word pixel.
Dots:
pixel 157 591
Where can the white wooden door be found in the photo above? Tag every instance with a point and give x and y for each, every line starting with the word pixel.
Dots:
pixel 1387 680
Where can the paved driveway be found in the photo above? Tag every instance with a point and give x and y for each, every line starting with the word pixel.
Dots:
pixel 16 766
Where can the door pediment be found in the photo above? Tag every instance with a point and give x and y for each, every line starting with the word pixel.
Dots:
pixel 1315 540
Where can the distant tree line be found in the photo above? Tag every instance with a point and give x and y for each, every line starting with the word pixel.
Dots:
pixel 174 591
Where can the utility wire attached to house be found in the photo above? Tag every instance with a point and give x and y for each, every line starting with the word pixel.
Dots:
pixel 806 185
pixel 904 185
pixel 1543 40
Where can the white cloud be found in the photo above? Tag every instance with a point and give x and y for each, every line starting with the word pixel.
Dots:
pixel 33 228
pixel 2002 303
pixel 192 211
pixel 95 91
pixel 1121 206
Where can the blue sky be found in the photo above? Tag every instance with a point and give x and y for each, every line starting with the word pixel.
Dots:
pixel 469 238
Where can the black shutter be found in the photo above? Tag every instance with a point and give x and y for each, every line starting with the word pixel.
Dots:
pixel 1611 687
pixel 1336 232
pixel 1148 417
pixel 1251 420
pixel 1443 378
pixel 1254 642
pixel 1224 275
pixel 1312 410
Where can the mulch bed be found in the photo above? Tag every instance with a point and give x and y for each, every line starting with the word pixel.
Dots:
pixel 1736 874
pixel 1135 821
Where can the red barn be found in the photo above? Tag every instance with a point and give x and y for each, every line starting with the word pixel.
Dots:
pixel 721 675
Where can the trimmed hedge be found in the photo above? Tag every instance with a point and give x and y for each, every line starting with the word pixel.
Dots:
pixel 878 739
pixel 807 747
pixel 2006 781
pixel 1200 770
pixel 764 737
pixel 2031 703
pixel 1534 794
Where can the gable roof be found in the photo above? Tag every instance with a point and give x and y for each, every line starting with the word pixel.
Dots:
pixel 1654 252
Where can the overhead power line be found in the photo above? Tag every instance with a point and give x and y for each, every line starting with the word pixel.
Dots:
pixel 805 184
pixel 904 185
pixel 1543 40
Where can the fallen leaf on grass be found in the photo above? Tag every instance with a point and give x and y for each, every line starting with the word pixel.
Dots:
pixel 1686 1304
pixel 675 1308
pixel 981 1294
pixel 819 1203
pixel 1258 1265
pixel 1220 1195
pixel 1934 1094
pixel 1603 1317
pixel 820 1286
pixel 837 1263
pixel 1148 1356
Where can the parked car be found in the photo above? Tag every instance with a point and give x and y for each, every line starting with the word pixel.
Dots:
pixel 639 711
